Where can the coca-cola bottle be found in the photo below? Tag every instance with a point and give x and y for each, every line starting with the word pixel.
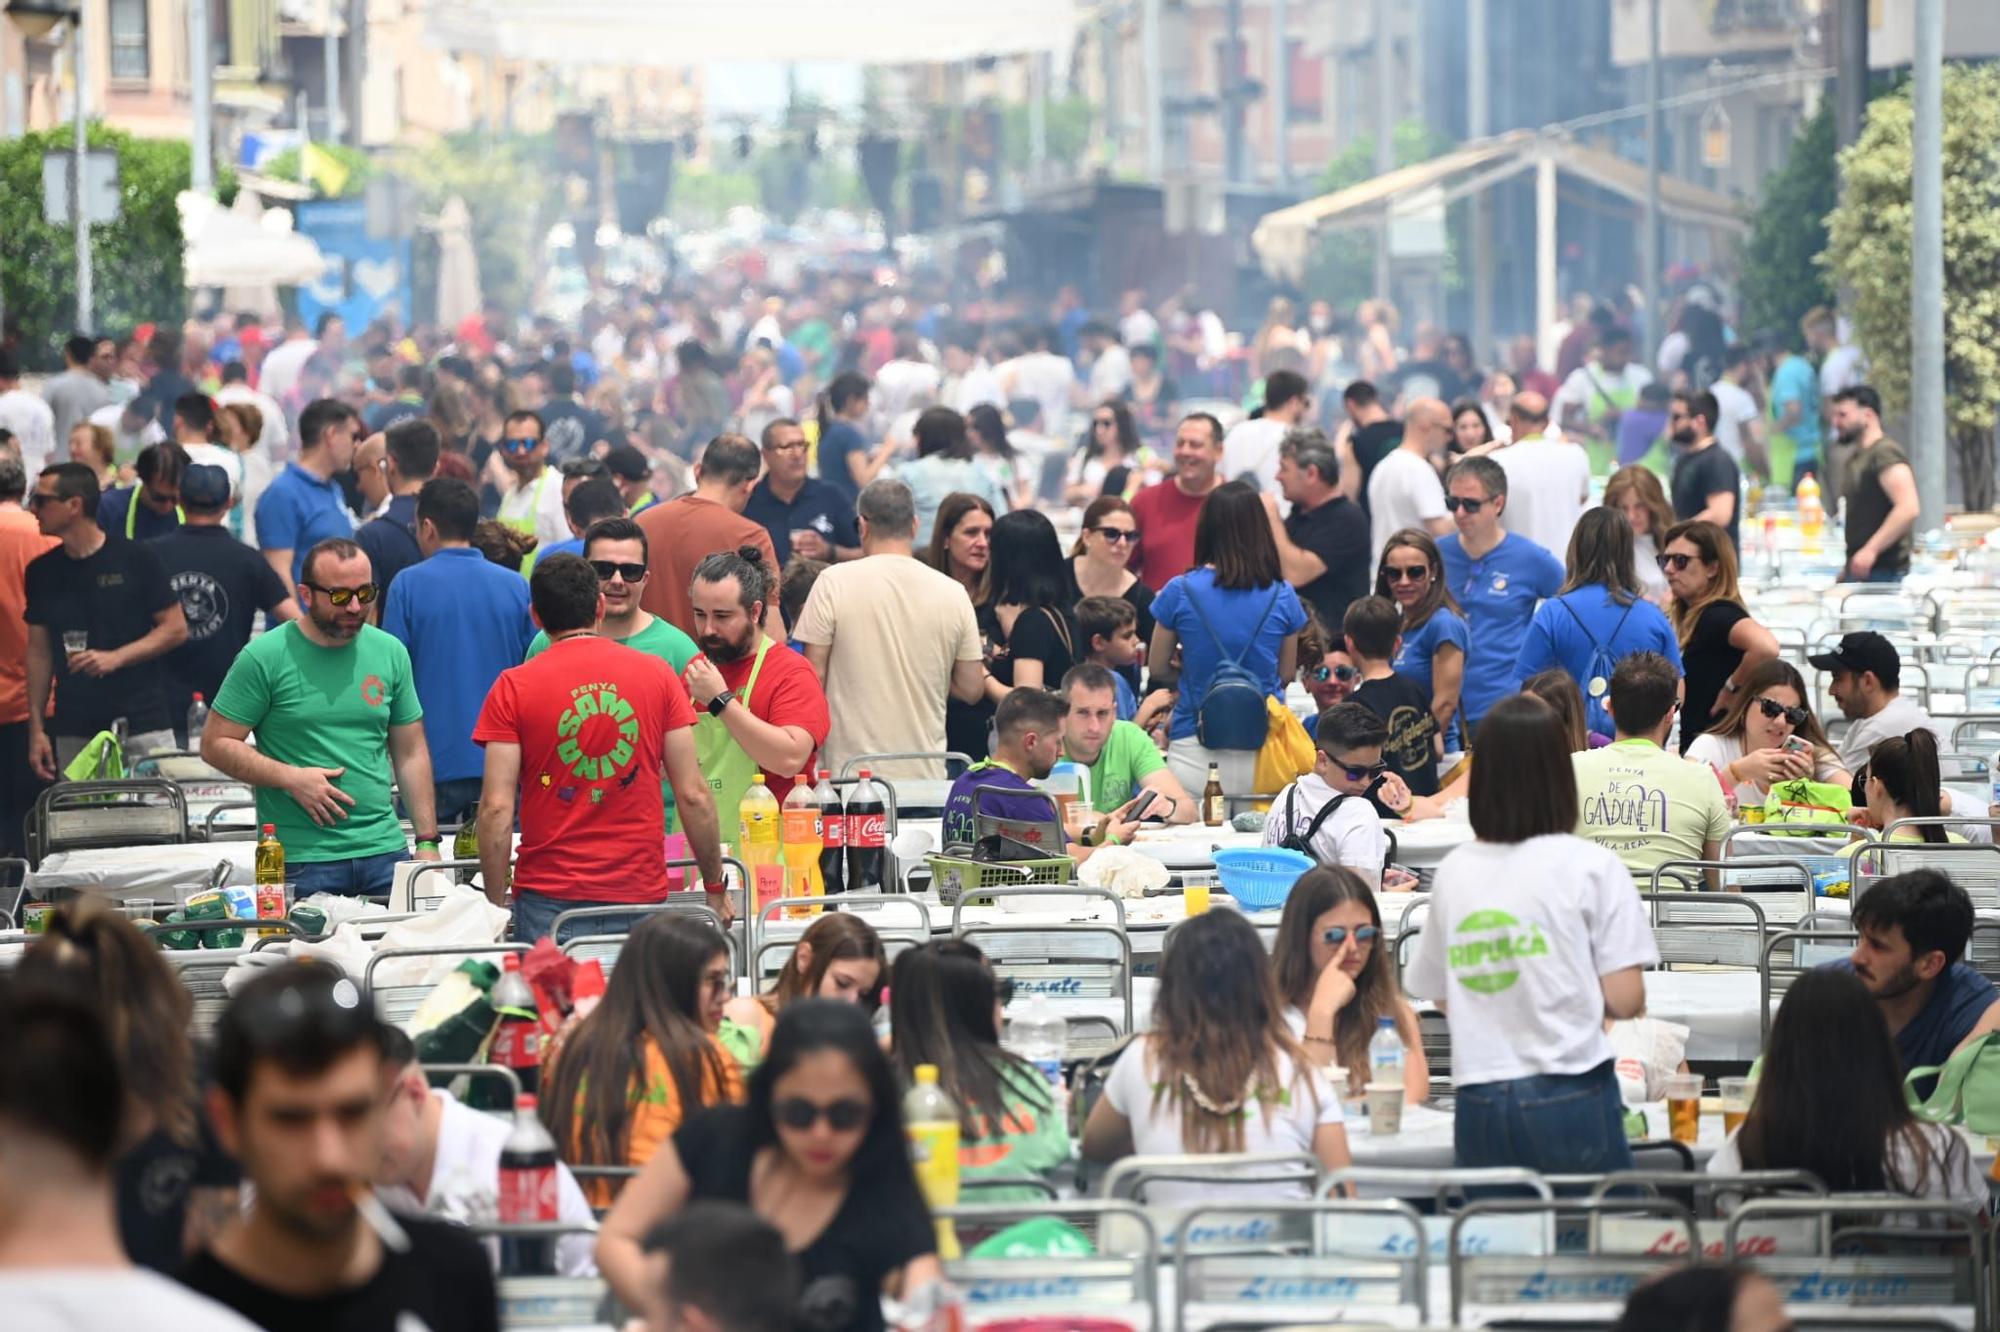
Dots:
pixel 867 832
pixel 833 829
pixel 527 1192
pixel 517 1041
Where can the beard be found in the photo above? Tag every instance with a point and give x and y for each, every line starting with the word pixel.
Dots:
pixel 337 624
pixel 722 651
pixel 1851 434
pixel 1685 435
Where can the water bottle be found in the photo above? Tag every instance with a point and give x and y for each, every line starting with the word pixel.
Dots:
pixel 1039 1035
pixel 1385 1052
pixel 761 844
pixel 528 1191
pixel 197 723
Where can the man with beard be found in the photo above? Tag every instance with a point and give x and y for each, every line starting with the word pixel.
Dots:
pixel 333 702
pixel 1706 479
pixel 766 709
pixel 298 1099
pixel 1911 955
pixel 535 504
pixel 1881 490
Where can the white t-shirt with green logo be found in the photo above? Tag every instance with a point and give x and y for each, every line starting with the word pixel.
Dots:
pixel 1647 806
pixel 1517 938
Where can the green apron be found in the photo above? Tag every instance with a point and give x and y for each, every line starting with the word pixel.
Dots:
pixel 723 762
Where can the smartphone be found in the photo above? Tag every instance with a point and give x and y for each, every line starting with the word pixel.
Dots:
pixel 1143 803
pixel 1798 745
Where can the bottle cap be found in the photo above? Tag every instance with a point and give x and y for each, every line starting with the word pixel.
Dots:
pixel 512 962
pixel 525 1101
pixel 926 1075
pixel 197 698
pixel 822 775
pixel 864 774
pixel 270 830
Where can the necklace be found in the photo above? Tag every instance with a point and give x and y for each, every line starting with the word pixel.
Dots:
pixel 1224 1108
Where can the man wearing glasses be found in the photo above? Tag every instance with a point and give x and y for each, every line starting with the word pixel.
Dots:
pixel 333 702
pixel 804 515
pixel 99 611
pixel 535 504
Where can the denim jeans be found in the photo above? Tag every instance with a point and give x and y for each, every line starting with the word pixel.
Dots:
pixel 364 876
pixel 535 913
pixel 1557 1124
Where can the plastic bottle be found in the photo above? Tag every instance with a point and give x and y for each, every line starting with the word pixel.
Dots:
pixel 931 1122
pixel 270 874
pixel 1040 1035
pixel 1069 783
pixel 884 1028
pixel 517 1043
pixel 804 844
pixel 465 846
pixel 1214 809
pixel 527 1191
pixel 197 723
pixel 867 833
pixel 1385 1052
pixel 760 842
pixel 833 831
pixel 1812 518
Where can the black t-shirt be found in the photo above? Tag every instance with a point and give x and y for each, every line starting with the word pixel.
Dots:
pixel 1040 634
pixel 569 429
pixel 966 725
pixel 1405 708
pixel 1699 475
pixel 880 1227
pixel 113 596
pixel 391 541
pixel 1337 532
pixel 1868 504
pixel 222 584
pixel 152 1183
pixel 443 1284
pixel 1706 661
pixel 1373 443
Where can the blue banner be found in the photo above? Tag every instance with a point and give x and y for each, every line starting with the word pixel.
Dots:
pixel 366 276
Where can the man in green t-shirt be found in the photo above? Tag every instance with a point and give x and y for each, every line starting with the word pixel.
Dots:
pixel 334 707
pixel 1120 756
pixel 616 549
pixel 1645 805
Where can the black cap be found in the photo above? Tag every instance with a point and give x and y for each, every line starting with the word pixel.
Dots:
pixel 205 486
pixel 627 463
pixel 1863 651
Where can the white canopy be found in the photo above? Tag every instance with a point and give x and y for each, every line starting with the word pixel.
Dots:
pixel 244 246
pixel 689 32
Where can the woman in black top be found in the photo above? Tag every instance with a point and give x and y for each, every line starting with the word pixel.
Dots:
pixel 819 1152
pixel 1720 643
pixel 962 546
pixel 1035 639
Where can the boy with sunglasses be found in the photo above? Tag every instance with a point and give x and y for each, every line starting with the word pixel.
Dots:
pixel 1328 812
pixel 1411 749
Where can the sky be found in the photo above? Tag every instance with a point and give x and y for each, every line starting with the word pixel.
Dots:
pixel 757 88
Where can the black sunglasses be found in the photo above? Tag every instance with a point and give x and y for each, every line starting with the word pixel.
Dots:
pixel 1675 562
pixel 1117 535
pixel 842 1116
pixel 1363 934
pixel 1409 573
pixel 1354 774
pixel 38 499
pixel 606 570
pixel 340 596
pixel 1773 709
pixel 1454 503
pixel 1321 674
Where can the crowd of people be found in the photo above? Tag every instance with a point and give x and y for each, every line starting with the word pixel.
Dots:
pixel 588 586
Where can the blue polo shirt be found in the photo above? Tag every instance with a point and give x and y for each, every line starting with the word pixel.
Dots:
pixel 573 546
pixel 298 511
pixel 464 620
pixel 114 506
pixel 820 505
pixel 391 540
pixel 1959 999
pixel 1498 594
pixel 1030 807
pixel 1567 631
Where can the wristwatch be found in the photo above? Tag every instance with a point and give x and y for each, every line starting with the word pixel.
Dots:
pixel 719 702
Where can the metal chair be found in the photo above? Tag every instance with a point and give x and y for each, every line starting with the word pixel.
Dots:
pixel 211 833
pixel 1300 1262
pixel 1251 1172
pixel 1884 1281
pixel 1788 954
pixel 1068 963
pixel 1121 1277
pixel 603 947
pixel 1973 866
pixel 82 816
pixel 893 940
pixel 1497 1283
pixel 1703 929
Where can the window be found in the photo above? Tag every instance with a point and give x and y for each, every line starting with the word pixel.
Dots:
pixel 1306 94
pixel 128 39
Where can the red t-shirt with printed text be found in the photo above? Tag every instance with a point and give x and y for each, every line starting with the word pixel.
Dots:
pixel 591 718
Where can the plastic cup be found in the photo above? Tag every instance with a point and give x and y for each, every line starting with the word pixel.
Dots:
pixel 1195 895
pixel 75 641
pixel 1736 1095
pixel 1385 1108
pixel 1684 1107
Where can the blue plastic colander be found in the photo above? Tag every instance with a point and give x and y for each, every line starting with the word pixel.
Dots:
pixel 1260 878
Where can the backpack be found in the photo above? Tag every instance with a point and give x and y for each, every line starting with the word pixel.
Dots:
pixel 1968 1088
pixel 1301 842
pixel 1231 712
pixel 1602 660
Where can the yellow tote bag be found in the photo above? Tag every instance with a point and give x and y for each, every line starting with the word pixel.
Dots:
pixel 1287 754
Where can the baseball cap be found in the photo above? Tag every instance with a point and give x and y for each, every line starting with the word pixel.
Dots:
pixel 627 463
pixel 205 486
pixel 1863 651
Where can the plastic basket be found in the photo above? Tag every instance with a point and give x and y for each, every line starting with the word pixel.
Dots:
pixel 952 876
pixel 1260 878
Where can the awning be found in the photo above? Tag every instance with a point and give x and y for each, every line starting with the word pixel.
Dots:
pixel 691 32
pixel 244 246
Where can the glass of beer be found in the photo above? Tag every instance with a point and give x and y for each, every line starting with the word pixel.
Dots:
pixel 1684 1107
pixel 1736 1094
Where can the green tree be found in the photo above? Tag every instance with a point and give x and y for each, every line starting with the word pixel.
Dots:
pixel 1782 277
pixel 507 185
pixel 1868 250
pixel 1342 269
pixel 136 262
pixel 359 165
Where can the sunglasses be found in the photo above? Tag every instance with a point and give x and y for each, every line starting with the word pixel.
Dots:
pixel 1454 503
pixel 1407 573
pixel 340 596
pixel 606 570
pixel 38 499
pixel 1354 774
pixel 842 1116
pixel 1675 562
pixel 1363 934
pixel 1773 709
pixel 1117 536
pixel 520 445
pixel 1321 674
pixel 1104 422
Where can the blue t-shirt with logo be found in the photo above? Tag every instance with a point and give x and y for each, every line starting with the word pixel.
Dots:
pixel 1232 613
pixel 1417 655
pixel 1498 593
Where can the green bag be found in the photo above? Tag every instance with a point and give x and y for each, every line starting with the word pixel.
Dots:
pixel 1968 1087
pixel 1806 801
pixel 1042 1237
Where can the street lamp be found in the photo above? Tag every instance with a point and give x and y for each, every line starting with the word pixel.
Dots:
pixel 38 19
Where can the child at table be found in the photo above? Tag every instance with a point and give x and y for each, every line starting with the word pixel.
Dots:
pixel 1327 813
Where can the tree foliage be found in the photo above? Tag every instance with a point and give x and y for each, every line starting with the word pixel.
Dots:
pixel 1782 277
pixel 1342 269
pixel 508 187
pixel 1868 249
pixel 136 262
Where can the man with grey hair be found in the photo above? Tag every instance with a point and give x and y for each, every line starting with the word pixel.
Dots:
pixel 889 637
pixel 21 540
pixel 1404 490
pixel 1323 544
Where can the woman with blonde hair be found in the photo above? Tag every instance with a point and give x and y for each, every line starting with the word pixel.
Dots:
pixel 1720 643
pixel 1636 492
pixel 96 448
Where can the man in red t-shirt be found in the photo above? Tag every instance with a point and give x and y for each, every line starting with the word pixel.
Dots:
pixel 683 532
pixel 581 734
pixel 767 705
pixel 1166 512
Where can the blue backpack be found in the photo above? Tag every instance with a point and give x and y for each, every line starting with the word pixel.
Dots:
pixel 1597 678
pixel 1231 714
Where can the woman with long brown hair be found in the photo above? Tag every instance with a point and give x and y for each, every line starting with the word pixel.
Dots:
pixel 1904 783
pixel 1749 745
pixel 1219 1073
pixel 619 1082
pixel 839 957
pixel 1720 643
pixel 1337 976
pixel 175 1185
pixel 1102 465
pixel 1635 491
pixel 1410 573
pixel 961 545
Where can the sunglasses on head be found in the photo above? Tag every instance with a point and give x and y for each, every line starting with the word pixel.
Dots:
pixel 606 570
pixel 1321 674
pixel 1773 709
pixel 1406 573
pixel 520 445
pixel 1363 934
pixel 1117 535
pixel 1675 562
pixel 340 596
pixel 1454 503
pixel 842 1116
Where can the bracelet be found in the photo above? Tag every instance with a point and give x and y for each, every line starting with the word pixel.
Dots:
pixel 1111 839
pixel 427 844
